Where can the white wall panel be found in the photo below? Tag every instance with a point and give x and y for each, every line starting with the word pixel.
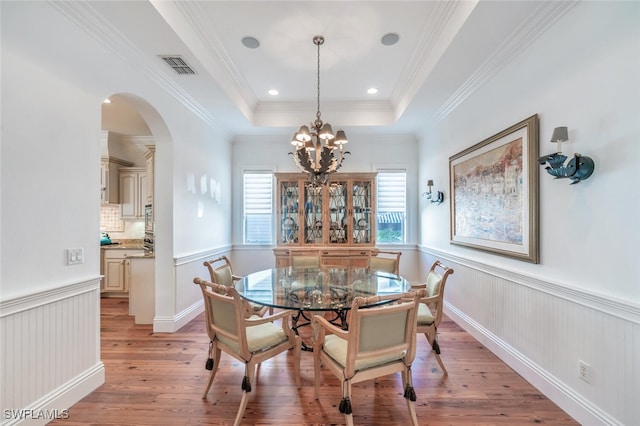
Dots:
pixel 542 330
pixel 51 348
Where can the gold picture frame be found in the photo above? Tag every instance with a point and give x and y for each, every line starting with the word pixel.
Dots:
pixel 494 193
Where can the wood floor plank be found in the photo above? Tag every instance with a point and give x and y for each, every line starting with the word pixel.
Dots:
pixel 158 379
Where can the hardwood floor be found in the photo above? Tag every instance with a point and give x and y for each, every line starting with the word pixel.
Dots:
pixel 158 379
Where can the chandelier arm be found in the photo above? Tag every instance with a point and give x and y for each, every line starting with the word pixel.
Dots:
pixel 321 161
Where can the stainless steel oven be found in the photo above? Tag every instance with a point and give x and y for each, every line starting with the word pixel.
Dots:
pixel 148 218
pixel 148 242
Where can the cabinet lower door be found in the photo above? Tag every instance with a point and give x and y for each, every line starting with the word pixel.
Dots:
pixel 114 275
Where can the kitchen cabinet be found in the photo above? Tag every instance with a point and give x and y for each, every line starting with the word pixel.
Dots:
pixel 149 156
pixel 115 279
pixel 109 175
pixel 133 192
pixel 337 220
pixel 140 270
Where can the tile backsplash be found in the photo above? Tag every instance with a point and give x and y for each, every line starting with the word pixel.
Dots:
pixel 117 228
pixel 110 218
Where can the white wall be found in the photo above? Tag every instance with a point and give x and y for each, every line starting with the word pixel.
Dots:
pixel 583 300
pixel 50 175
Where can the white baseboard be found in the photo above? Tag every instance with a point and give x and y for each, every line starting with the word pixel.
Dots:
pixel 174 323
pixel 57 403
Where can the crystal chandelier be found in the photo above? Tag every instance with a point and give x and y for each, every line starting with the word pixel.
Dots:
pixel 319 152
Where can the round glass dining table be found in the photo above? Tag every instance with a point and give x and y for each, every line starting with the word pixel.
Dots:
pixel 316 290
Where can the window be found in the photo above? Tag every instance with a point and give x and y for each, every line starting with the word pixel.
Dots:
pixel 258 212
pixel 392 207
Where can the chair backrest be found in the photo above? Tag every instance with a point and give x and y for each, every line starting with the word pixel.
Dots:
pixel 434 287
pixel 225 310
pixel 386 331
pixel 220 270
pixel 304 259
pixel 386 261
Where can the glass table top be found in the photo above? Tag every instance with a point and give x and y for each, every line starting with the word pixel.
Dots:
pixel 328 288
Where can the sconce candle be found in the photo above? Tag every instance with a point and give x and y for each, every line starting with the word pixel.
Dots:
pixel 579 168
pixel 560 134
pixel 439 196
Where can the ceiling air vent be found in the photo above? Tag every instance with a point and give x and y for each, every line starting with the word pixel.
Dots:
pixel 178 64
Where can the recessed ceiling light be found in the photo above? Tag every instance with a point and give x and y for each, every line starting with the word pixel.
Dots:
pixel 273 92
pixel 390 39
pixel 250 42
pixel 372 91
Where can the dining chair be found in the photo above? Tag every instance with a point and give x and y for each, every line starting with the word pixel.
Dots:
pixel 386 261
pixel 304 259
pixel 249 340
pixel 430 307
pixel 220 272
pixel 380 341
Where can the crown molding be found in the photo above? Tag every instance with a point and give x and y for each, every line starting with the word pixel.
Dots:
pixel 86 17
pixel 190 21
pixel 545 15
pixel 443 25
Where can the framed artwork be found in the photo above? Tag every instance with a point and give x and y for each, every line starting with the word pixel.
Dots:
pixel 494 193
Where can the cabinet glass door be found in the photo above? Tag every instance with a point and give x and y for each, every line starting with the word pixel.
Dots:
pixel 313 214
pixel 289 203
pixel 362 212
pixel 338 218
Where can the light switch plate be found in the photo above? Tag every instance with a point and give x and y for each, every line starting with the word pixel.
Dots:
pixel 75 256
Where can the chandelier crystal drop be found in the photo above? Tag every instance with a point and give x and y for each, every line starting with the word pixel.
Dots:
pixel 319 152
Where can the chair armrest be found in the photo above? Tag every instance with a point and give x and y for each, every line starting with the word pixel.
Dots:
pixel 321 325
pixel 418 286
pixel 270 318
pixel 429 299
pixel 259 312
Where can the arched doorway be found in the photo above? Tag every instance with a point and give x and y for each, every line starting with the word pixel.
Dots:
pixel 131 127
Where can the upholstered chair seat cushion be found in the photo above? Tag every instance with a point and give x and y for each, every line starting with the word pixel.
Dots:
pixel 425 317
pixel 336 348
pixel 259 337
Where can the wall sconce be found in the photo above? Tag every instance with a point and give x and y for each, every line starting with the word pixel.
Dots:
pixel 578 168
pixel 439 195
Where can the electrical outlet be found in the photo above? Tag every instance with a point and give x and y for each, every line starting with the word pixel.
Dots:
pixel 584 371
pixel 75 256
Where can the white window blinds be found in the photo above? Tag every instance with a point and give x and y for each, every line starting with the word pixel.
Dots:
pixel 392 206
pixel 258 208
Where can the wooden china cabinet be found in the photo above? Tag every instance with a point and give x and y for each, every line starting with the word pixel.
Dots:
pixel 336 220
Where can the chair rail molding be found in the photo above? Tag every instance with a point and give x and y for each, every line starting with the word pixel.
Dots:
pixel 617 307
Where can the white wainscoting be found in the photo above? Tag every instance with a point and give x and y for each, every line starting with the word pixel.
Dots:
pixel 542 329
pixel 50 351
pixel 187 297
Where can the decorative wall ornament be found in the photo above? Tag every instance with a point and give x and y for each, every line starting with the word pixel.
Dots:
pixel 494 193
pixel 577 169
pixel 439 198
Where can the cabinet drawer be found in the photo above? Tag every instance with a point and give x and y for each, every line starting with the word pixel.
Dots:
pixel 121 254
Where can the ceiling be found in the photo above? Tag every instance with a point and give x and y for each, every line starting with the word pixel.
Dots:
pixel 446 50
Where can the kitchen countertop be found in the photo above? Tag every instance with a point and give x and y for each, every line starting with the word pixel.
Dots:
pixel 130 245
pixel 145 255
pixel 124 245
